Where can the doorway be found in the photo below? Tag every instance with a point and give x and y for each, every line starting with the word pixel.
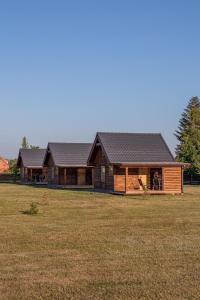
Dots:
pixel 72 176
pixel 156 179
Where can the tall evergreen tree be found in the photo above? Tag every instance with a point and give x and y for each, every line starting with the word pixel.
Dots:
pixel 188 135
pixel 25 144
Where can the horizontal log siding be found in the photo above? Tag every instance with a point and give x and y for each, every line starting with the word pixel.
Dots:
pixel 55 178
pixel 132 183
pixel 109 184
pixel 172 179
pixel 119 183
pixel 22 173
pixel 99 161
pixel 97 177
pixel 81 176
pixel 45 173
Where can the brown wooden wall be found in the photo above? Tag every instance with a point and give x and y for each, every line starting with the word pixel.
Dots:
pixel 119 183
pixel 172 179
pixel 129 183
pixel 52 171
pixel 99 161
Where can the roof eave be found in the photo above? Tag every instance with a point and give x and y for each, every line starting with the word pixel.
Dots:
pixel 33 167
pixel 137 164
pixel 73 166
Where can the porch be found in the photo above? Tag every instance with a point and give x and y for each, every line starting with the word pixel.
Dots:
pixel 74 177
pixel 147 180
pixel 35 175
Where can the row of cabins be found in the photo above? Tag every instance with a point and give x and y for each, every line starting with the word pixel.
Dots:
pixel 122 163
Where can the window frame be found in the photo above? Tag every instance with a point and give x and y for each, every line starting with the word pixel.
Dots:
pixel 103 174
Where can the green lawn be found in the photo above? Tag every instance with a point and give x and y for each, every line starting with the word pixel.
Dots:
pixel 85 245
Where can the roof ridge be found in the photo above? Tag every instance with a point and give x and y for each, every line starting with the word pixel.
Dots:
pixel 33 149
pixel 68 143
pixel 145 133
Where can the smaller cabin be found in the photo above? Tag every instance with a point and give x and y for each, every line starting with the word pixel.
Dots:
pixel 67 165
pixel 134 163
pixel 30 163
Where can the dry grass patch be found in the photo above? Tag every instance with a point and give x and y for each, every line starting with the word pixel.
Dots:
pixel 85 245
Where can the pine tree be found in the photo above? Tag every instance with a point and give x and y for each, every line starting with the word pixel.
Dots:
pixel 25 144
pixel 188 135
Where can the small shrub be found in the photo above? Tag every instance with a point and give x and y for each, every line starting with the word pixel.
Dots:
pixel 33 209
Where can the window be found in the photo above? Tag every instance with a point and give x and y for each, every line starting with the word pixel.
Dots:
pixel 103 174
pixel 52 173
pixel 110 170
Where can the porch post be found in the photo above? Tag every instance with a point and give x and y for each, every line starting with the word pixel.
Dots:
pixel 126 180
pixel 25 174
pixel 31 171
pixel 65 176
pixel 182 179
pixel 92 176
pixel 163 179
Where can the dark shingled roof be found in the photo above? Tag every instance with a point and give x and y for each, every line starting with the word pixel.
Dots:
pixel 31 157
pixel 135 147
pixel 70 154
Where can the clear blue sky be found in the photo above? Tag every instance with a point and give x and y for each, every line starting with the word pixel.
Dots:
pixel 71 68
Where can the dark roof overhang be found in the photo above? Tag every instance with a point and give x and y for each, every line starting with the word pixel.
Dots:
pixel 150 164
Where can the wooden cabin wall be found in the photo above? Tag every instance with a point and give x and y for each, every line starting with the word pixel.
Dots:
pixel 99 161
pixel 119 179
pixel 22 173
pixel 81 173
pixel 25 179
pixel 45 172
pixel 53 171
pixel 172 179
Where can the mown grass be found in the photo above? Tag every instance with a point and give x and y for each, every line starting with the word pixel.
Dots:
pixel 85 245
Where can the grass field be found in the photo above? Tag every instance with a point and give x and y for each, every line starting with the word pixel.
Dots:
pixel 85 245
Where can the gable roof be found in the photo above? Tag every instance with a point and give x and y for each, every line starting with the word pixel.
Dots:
pixel 31 158
pixel 133 148
pixel 69 154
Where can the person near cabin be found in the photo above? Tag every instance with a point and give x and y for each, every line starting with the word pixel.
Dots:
pixel 156 181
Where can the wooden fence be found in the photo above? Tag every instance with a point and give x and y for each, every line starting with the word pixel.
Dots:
pixel 9 178
pixel 191 178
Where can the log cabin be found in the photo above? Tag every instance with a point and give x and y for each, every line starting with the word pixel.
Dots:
pixel 30 163
pixel 134 163
pixel 67 165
